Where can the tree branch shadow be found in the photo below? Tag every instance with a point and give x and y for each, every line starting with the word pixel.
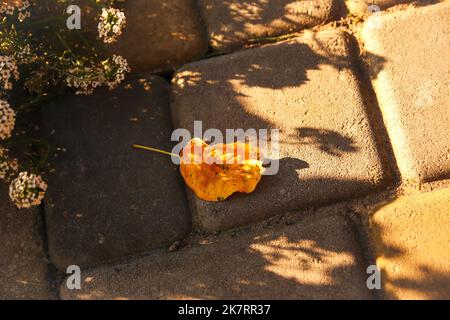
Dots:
pixel 244 21
pixel 411 280
pixel 328 141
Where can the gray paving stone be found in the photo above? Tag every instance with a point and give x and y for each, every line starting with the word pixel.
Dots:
pixel 318 258
pixel 411 78
pixel 23 265
pixel 305 87
pixel 106 200
pixel 231 23
pixel 161 34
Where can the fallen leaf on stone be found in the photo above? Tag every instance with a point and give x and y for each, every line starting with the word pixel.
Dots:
pixel 214 173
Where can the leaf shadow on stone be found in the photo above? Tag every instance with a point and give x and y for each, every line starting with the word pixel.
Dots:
pixel 315 257
pixel 248 21
pixel 267 69
pixel 431 287
pixel 328 141
pixel 427 282
pixel 261 71
pixel 376 63
pixel 318 259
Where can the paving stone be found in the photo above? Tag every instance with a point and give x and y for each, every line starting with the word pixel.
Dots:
pixel 105 199
pixel 365 7
pixel 305 87
pixel 317 259
pixel 232 23
pixel 409 58
pixel 23 265
pixel 411 241
pixel 161 34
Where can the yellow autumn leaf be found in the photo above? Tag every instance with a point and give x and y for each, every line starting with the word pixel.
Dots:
pixel 214 173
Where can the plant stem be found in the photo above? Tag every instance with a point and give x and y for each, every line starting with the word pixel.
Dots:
pixel 35 101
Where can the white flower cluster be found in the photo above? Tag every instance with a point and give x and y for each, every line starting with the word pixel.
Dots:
pixel 27 190
pixel 24 55
pixel 9 7
pixel 114 71
pixel 112 21
pixel 8 69
pixel 7 120
pixel 86 79
pixel 8 166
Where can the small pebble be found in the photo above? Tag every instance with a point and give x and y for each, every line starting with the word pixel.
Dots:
pixel 175 246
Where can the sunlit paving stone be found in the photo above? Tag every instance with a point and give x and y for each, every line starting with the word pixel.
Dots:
pixel 411 238
pixel 232 23
pixel 307 89
pixel 409 59
pixel 367 7
pixel 106 200
pixel 318 258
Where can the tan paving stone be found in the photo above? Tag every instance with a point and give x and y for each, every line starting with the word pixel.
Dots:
pixel 23 265
pixel 231 23
pixel 412 241
pixel 363 7
pixel 307 88
pixel 409 58
pixel 317 259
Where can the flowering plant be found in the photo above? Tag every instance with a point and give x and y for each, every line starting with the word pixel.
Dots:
pixel 38 52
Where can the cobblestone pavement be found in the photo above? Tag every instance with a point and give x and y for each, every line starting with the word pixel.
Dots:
pixel 363 107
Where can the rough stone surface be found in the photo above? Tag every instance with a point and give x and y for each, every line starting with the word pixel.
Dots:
pixel 411 237
pixel 306 88
pixel 161 34
pixel 231 23
pixel 317 259
pixel 23 265
pixel 409 58
pixel 105 199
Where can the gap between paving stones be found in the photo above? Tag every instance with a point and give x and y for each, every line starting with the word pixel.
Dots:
pixel 373 111
pixel 54 276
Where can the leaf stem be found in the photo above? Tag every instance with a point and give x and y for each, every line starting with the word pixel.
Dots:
pixel 137 146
